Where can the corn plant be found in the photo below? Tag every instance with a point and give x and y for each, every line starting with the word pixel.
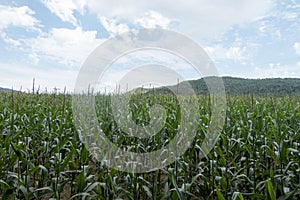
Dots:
pixel 257 155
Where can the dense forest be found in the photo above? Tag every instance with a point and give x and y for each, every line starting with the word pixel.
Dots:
pixel 237 86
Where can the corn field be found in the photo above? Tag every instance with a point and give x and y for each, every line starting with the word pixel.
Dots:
pixel 257 155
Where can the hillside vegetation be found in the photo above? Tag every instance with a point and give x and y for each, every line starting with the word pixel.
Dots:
pixel 239 86
pixel 5 89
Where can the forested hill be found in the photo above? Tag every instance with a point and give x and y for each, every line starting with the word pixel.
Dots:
pixel 5 89
pixel 276 86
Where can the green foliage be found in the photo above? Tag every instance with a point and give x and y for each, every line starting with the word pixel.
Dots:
pixel 240 86
pixel 256 157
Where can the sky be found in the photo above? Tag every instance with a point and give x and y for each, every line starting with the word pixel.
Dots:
pixel 49 40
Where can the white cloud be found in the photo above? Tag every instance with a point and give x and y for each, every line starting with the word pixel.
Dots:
pixel 34 58
pixel 20 76
pixel 16 16
pixel 196 18
pixel 235 53
pixel 263 27
pixel 290 15
pixel 66 46
pixel 297 48
pixel 65 9
pixel 9 40
pixel 274 70
pixel 112 26
pixel 153 19
pixel 81 6
pixel 150 19
pixel 270 30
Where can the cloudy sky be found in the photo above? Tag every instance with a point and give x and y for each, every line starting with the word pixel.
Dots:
pixel 49 40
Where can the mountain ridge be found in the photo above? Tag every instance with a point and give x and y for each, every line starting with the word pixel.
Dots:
pixel 6 90
pixel 237 86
